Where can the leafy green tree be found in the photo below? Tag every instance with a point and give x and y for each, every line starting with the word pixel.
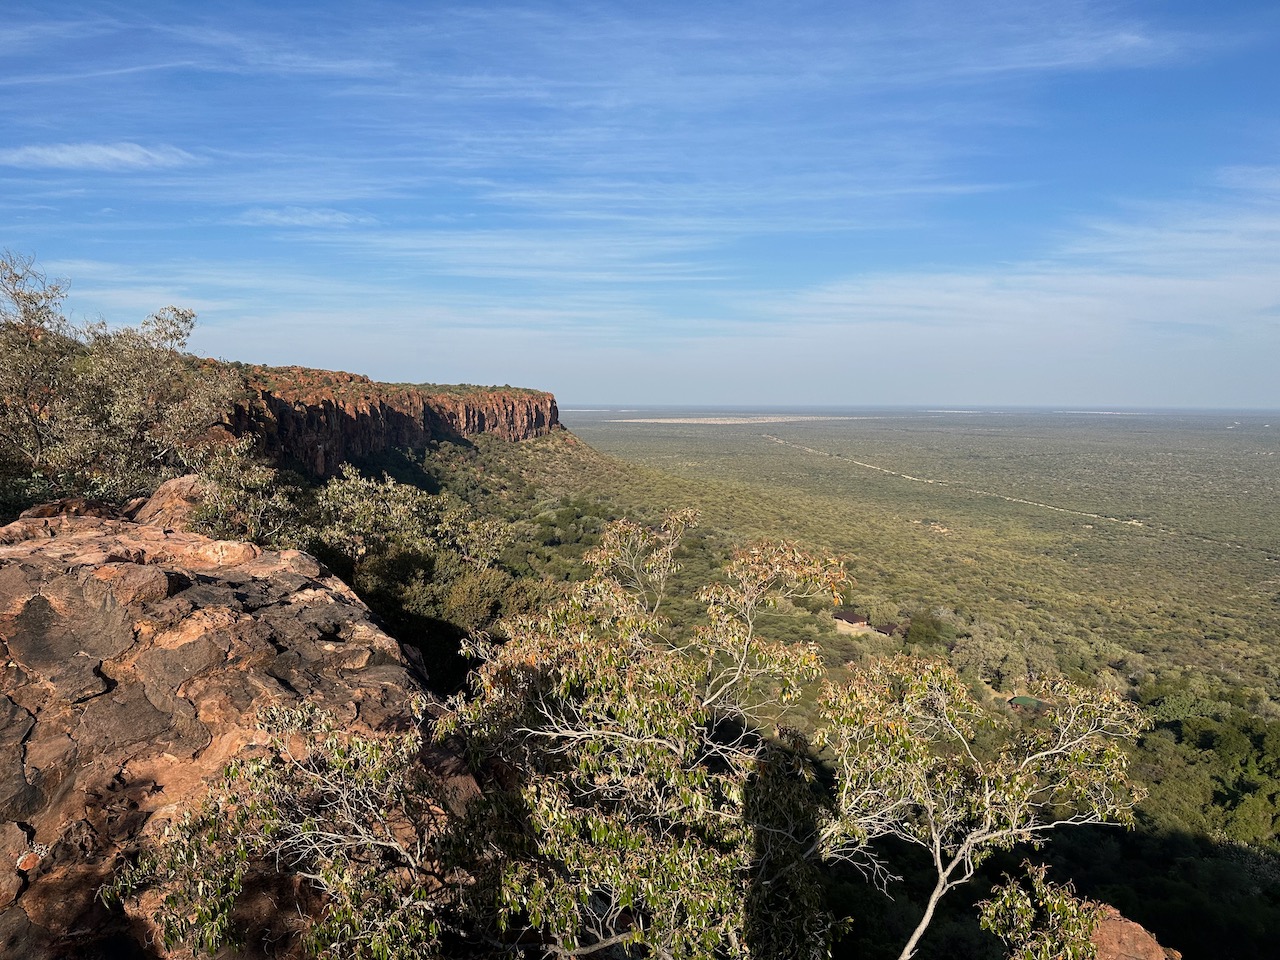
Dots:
pixel 243 498
pixel 360 517
pixel 990 658
pixel 640 558
pixel 94 410
pixel 630 758
pixel 1046 922
pixel 882 613
pixel 917 759
pixel 37 348
pixel 150 401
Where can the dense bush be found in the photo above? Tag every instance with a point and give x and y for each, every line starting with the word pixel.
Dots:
pixel 637 798
pixel 92 410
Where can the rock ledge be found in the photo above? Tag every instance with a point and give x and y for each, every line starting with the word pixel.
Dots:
pixel 133 659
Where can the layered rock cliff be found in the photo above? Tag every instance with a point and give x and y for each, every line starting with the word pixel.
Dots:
pixel 316 419
pixel 133 659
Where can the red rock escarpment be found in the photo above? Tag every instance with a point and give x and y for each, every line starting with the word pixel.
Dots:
pixel 132 661
pixel 317 419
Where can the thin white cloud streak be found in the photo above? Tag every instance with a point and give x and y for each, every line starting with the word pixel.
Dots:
pixel 300 217
pixel 246 52
pixel 1212 267
pixel 749 54
pixel 26 80
pixel 224 288
pixel 1040 307
pixel 1191 240
pixel 558 256
pixel 96 156
pixel 200 47
pixel 1261 180
pixel 19 37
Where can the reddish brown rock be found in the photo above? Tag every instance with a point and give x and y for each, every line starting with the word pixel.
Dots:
pixel 171 505
pixel 132 661
pixel 318 419
pixel 72 507
pixel 1118 938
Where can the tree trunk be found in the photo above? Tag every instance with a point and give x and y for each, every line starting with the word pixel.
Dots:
pixel 910 949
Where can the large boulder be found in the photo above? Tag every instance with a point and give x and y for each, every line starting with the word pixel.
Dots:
pixel 133 659
pixel 1118 938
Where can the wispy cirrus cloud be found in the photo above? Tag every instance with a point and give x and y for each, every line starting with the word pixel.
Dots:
pixel 1179 264
pixel 758 188
pixel 240 51
pixel 96 156
pixel 300 217
pixel 551 256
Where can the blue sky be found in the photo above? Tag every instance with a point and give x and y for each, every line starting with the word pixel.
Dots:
pixel 783 202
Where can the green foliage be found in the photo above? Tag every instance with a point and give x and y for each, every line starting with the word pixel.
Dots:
pixel 359 517
pixel 242 498
pixel 930 631
pixel 95 411
pixel 431 566
pixel 1214 768
pixel 38 346
pixel 910 765
pixel 1045 922
pixel 640 790
pixel 642 559
pixel 352 816
pixel 631 763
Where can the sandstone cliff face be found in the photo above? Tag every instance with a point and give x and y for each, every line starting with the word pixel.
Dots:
pixel 132 661
pixel 317 419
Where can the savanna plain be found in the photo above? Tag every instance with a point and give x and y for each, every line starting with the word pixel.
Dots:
pixel 1137 550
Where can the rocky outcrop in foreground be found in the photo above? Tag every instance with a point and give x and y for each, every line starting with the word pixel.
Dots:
pixel 1118 938
pixel 318 419
pixel 132 660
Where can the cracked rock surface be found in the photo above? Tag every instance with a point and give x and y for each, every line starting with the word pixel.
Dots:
pixel 133 659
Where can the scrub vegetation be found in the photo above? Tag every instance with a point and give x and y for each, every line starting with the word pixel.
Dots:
pixel 1070 623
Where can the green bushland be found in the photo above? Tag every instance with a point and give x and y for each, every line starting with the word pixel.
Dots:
pixel 93 411
pixel 1165 594
pixel 1209 764
pixel 344 386
pixel 634 797
pixel 1195 587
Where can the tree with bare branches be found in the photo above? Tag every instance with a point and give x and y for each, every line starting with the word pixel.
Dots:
pixel 629 759
pixel 908 765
